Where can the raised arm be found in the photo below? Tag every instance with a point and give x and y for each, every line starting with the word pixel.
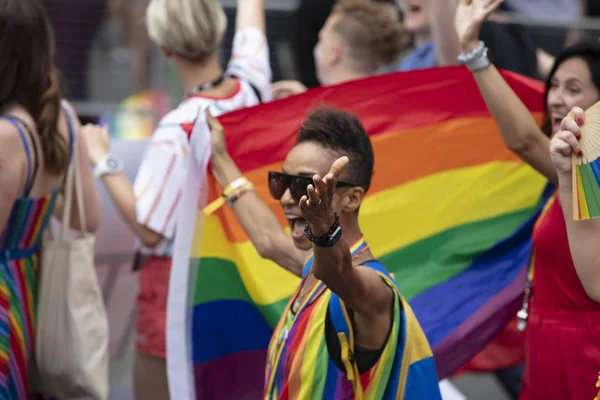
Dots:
pixel 518 128
pixel 255 217
pixel 250 14
pixel 250 53
pixel 447 47
pixel 583 235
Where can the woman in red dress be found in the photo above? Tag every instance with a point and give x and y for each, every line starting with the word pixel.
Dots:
pixel 582 235
pixel 562 345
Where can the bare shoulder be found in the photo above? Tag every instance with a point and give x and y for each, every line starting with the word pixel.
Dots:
pixel 68 113
pixel 12 157
pixel 11 143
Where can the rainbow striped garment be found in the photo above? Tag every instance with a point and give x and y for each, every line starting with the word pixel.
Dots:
pixel 19 268
pixel 299 365
pixel 20 244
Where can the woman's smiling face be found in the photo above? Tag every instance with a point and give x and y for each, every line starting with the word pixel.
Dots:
pixel 571 86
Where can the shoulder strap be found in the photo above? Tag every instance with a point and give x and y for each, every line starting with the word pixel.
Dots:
pixel 343 328
pixel 35 153
pixel 307 267
pixel 18 123
pixel 72 182
pixel 256 91
pixel 252 86
pixel 71 131
pixel 339 315
pixel 378 266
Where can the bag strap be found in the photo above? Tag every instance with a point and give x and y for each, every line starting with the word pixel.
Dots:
pixel 73 181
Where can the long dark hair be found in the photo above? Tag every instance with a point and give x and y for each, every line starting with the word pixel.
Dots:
pixel 28 76
pixel 590 53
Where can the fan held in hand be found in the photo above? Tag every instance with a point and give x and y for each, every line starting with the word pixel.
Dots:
pixel 586 169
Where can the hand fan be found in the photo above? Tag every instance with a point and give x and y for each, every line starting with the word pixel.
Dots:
pixel 586 169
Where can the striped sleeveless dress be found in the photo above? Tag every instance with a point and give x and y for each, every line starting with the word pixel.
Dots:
pixel 20 244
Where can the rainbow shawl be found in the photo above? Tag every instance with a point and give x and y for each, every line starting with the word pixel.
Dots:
pixel 299 365
pixel 449 213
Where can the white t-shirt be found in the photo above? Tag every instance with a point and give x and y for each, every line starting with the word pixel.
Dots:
pixel 158 186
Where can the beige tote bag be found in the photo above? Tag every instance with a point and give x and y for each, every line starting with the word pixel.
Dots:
pixel 71 355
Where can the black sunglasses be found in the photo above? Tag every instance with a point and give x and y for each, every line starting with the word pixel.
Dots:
pixel 280 182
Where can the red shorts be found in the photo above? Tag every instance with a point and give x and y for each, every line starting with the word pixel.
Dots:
pixel 152 306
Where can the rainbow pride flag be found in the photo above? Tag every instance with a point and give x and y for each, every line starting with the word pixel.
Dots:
pixel 137 116
pixel 449 213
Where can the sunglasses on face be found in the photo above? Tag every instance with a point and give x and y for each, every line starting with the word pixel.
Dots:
pixel 280 182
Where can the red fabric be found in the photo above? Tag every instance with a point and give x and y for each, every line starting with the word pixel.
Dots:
pixel 562 344
pixel 152 306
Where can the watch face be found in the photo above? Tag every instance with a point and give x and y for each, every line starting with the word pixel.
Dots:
pixel 112 164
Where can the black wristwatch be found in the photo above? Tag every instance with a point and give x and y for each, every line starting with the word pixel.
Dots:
pixel 330 238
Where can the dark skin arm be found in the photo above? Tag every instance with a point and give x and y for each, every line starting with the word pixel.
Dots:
pixel 361 289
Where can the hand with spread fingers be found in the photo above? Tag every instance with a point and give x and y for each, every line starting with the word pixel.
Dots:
pixel 317 206
pixel 566 142
pixel 470 15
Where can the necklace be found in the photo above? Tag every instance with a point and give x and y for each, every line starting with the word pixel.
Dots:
pixel 204 86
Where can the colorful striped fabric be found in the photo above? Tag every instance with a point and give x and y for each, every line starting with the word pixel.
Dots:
pixel 299 366
pixel 19 263
pixel 449 213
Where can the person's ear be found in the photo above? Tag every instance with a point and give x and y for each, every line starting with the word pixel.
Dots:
pixel 353 198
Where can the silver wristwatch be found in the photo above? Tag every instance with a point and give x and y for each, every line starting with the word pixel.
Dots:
pixel 109 164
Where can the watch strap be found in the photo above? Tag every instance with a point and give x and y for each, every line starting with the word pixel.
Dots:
pixel 103 167
pixel 330 238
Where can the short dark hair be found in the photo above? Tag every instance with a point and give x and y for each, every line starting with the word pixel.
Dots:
pixel 342 132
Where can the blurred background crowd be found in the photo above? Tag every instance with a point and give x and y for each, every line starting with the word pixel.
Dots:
pixel 105 54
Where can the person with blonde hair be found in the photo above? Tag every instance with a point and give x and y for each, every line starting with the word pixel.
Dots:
pixel 188 33
pixel 358 38
pixel 38 135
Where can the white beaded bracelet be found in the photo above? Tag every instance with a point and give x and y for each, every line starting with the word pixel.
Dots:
pixel 476 59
